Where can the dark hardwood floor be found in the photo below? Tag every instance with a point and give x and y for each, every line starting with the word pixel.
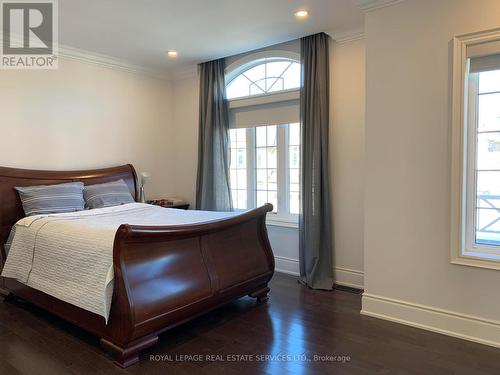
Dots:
pixel 295 322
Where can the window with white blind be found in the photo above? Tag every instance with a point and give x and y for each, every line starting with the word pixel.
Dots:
pixel 263 96
pixel 478 157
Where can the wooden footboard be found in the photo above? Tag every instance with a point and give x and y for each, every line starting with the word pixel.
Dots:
pixel 165 276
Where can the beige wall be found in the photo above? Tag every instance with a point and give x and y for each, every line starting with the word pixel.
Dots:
pixel 87 116
pixel 347 148
pixel 346 159
pixel 185 136
pixel 407 197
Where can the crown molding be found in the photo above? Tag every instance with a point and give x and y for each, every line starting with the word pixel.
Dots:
pixel 347 37
pixel 106 61
pixel 184 73
pixel 371 5
pixel 93 58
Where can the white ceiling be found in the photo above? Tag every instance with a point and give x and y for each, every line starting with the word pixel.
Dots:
pixel 200 30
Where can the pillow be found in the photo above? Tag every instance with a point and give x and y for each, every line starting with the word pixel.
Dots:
pixel 52 199
pixel 108 194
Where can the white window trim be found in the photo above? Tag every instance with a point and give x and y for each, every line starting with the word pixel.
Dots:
pixel 461 251
pixel 280 221
pixel 253 59
pixel 267 98
pixel 273 218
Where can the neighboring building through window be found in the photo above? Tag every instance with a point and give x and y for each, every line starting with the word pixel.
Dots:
pixel 265 135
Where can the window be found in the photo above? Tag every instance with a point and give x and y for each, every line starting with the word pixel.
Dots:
pixel 238 172
pixel 265 168
pixel 263 93
pixel 476 207
pixel 485 106
pixel 266 165
pixel 270 74
pixel 294 167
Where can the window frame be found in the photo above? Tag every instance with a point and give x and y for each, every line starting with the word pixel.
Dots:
pixel 284 219
pixel 471 246
pixel 464 249
pixel 249 61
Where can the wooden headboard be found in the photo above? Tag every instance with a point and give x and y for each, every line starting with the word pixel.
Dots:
pixel 11 209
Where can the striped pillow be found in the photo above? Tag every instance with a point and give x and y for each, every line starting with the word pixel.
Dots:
pixel 52 199
pixel 108 194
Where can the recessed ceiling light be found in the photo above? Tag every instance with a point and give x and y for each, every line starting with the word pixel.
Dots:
pixel 172 53
pixel 301 14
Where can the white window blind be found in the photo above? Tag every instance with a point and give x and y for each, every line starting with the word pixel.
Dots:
pixel 484 57
pixel 264 114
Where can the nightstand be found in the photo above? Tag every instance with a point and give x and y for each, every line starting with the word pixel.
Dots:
pixel 179 206
pixel 166 203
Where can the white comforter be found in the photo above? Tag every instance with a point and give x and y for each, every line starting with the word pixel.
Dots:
pixel 70 256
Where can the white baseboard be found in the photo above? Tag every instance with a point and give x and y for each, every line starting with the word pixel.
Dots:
pixel 349 277
pixel 451 323
pixel 287 265
pixel 343 276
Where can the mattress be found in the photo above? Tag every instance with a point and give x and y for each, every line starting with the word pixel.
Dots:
pixel 70 256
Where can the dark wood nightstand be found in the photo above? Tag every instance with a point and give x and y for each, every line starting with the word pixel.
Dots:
pixel 165 203
pixel 179 206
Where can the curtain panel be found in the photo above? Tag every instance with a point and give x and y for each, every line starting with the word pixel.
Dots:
pixel 315 222
pixel 212 184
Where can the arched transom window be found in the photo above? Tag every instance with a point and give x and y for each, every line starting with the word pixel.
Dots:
pixel 267 75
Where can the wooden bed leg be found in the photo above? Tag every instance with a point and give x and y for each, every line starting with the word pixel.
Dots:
pixel 9 297
pixel 127 356
pixel 261 294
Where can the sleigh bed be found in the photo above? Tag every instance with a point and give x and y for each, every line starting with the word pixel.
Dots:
pixel 213 263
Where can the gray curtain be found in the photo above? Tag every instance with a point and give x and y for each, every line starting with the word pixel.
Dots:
pixel 315 223
pixel 212 185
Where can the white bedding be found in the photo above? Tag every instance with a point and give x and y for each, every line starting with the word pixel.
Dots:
pixel 70 256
